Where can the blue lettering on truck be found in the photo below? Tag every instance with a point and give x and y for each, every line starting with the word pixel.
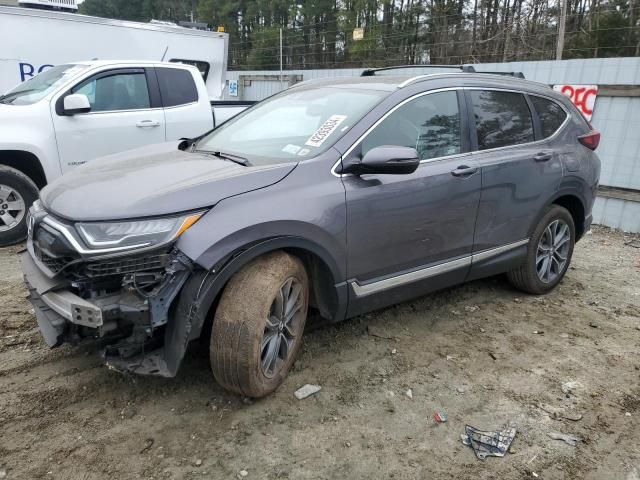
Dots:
pixel 28 71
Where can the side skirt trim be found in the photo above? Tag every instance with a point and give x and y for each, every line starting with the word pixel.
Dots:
pixel 424 273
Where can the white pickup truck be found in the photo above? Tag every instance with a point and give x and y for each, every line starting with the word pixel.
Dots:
pixel 73 113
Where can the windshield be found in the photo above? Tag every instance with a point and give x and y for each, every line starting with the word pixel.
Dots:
pixel 39 86
pixel 291 126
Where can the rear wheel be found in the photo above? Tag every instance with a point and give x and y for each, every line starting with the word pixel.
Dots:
pixel 17 193
pixel 258 325
pixel 548 254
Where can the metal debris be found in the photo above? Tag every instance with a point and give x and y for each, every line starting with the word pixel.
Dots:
pixel 307 391
pixel 488 444
pixel 569 439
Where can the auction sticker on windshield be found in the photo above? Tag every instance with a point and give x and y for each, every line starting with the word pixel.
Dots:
pixel 326 129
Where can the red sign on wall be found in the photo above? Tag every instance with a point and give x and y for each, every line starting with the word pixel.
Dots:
pixel 582 96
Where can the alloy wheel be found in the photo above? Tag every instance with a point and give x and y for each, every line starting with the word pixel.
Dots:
pixel 282 327
pixel 12 208
pixel 553 250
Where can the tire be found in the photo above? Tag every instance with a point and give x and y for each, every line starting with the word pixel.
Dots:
pixel 17 193
pixel 544 268
pixel 251 351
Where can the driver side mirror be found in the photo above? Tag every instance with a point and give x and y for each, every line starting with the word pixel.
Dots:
pixel 386 159
pixel 76 103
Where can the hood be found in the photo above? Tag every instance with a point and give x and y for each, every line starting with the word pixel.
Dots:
pixel 153 180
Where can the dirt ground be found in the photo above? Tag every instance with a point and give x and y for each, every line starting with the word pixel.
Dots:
pixel 483 353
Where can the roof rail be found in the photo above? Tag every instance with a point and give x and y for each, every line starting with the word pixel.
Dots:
pixel 510 74
pixel 371 72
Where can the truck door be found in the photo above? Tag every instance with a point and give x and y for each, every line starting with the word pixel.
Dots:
pixel 125 113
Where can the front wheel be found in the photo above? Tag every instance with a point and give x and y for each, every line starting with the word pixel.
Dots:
pixel 548 253
pixel 17 193
pixel 258 325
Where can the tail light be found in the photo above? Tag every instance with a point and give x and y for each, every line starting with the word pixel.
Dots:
pixel 590 140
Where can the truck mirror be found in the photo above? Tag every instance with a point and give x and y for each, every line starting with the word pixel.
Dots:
pixel 76 103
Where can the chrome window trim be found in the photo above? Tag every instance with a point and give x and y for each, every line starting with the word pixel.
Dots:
pixel 363 290
pixel 474 152
pixel 535 142
pixel 416 78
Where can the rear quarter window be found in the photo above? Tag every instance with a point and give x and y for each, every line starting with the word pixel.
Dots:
pixel 176 87
pixel 551 114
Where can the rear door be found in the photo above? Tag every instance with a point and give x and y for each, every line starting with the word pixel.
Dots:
pixel 187 111
pixel 125 114
pixel 408 234
pixel 519 173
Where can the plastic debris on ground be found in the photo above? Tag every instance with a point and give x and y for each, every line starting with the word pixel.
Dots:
pixel 306 391
pixel 488 444
pixel 440 416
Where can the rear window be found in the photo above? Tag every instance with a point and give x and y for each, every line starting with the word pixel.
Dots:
pixel 176 87
pixel 551 114
pixel 502 118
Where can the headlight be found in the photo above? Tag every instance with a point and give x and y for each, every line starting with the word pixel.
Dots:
pixel 135 234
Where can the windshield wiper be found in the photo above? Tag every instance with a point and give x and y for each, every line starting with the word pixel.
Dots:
pixel 231 157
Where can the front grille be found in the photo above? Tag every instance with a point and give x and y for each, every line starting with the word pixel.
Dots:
pixel 52 263
pixel 124 265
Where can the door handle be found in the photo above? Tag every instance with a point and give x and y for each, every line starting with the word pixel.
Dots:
pixel 543 156
pixel 464 171
pixel 147 124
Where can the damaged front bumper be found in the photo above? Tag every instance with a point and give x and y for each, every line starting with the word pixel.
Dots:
pixel 122 303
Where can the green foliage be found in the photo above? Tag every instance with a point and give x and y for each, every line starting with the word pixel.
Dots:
pixel 318 33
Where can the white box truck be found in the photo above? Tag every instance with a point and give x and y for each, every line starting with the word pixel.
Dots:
pixel 148 83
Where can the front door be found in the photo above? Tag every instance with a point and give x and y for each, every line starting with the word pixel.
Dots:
pixel 409 234
pixel 122 117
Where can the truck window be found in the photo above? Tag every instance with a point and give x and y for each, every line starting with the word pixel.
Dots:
pixel 176 87
pixel 203 67
pixel 120 91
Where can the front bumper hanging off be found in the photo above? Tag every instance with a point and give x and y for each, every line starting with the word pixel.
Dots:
pixel 131 324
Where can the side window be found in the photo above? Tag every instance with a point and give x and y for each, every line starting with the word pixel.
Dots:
pixel 430 124
pixel 551 114
pixel 176 87
pixel 502 118
pixel 202 66
pixel 120 91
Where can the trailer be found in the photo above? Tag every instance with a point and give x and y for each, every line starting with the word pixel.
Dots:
pixel 34 39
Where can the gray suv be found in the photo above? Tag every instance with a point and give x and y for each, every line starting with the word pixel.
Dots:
pixel 335 197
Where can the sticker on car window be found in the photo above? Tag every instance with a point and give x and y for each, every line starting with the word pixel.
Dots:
pixel 326 129
pixel 292 149
pixel 303 152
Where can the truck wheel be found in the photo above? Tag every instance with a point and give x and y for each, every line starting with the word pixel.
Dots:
pixel 17 193
pixel 548 253
pixel 258 325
